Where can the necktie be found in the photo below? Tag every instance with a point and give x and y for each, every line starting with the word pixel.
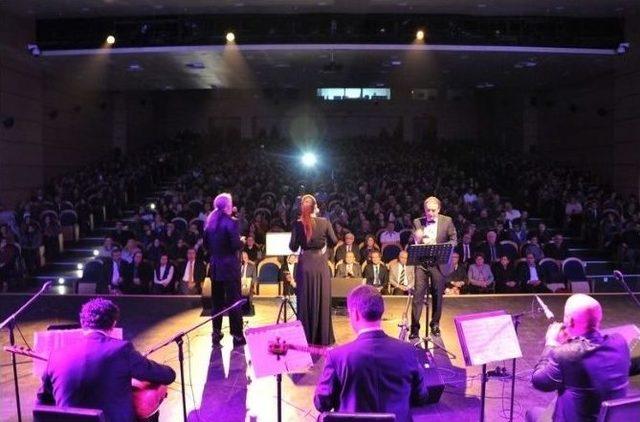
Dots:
pixel 493 253
pixel 348 248
pixel 190 272
pixel 349 269
pixel 244 270
pixel 375 274
pixel 466 252
pixel 403 279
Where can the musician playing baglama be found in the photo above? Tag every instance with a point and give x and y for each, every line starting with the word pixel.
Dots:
pixel 96 372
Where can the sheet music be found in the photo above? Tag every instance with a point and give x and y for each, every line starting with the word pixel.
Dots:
pixel 44 342
pixel 265 363
pixel 488 338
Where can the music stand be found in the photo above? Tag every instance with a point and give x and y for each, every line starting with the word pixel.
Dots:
pixel 428 256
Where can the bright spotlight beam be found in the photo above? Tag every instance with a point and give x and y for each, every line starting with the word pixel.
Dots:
pixel 111 40
pixel 309 159
pixel 231 37
pixel 420 35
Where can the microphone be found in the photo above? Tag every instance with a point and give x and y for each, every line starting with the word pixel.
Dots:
pixel 547 312
pixel 618 275
pixel 46 285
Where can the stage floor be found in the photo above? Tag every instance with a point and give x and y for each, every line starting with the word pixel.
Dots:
pixel 220 389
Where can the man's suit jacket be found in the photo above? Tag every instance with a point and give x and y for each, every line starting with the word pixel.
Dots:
pixel 584 371
pixel 96 373
pixel 107 275
pixel 445 233
pixel 199 272
pixel 460 250
pixel 341 252
pixel 252 271
pixel 341 270
pixel 144 273
pixel 486 251
pixel 223 244
pixel 383 275
pixel 394 276
pixel 373 373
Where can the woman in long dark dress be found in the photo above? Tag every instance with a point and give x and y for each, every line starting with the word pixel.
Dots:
pixel 313 276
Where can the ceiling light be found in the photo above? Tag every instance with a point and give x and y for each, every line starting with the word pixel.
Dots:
pixel 231 37
pixel 420 35
pixel 111 40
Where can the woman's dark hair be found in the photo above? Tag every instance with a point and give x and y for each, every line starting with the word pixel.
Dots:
pixel 99 314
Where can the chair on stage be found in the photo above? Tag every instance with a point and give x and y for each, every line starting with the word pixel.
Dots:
pixel 356 417
pixel 43 413
pixel 624 409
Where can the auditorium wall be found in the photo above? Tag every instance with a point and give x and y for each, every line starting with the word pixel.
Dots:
pixel 59 124
pixel 251 115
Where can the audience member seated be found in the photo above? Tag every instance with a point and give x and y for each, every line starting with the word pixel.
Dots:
pixel 155 251
pixel 121 235
pixel 287 273
pixel 9 263
pixel 504 274
pixel 533 247
pixel 401 275
pixel 30 242
pixel 390 235
pixel 458 279
pixel 491 249
pixel 556 249
pixel 249 271
pixel 573 212
pixel 543 234
pixel 130 248
pixel 480 276
pixel 114 273
pixel 376 273
pixel 138 276
pixel 347 246
pixel 252 249
pixel 192 272
pixel 465 249
pixel 350 267
pixel 510 213
pixel 163 276
pixel 367 250
pixel 51 230
pixel 531 277
pixel 107 248
pixel 178 250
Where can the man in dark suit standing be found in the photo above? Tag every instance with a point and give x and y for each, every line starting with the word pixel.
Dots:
pixel 583 365
pixel 375 372
pixel 431 229
pixel 96 371
pixel 347 246
pixel 192 273
pixel 376 272
pixel 222 241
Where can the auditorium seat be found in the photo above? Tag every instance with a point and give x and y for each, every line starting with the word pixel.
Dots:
pixel 268 282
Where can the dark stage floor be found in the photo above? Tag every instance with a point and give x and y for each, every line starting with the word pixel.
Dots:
pixel 218 385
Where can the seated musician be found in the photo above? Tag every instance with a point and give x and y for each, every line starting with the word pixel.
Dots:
pixel 584 366
pixel 375 372
pixel 96 372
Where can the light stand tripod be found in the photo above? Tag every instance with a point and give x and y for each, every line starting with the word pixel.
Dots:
pixel 285 302
pixel 178 339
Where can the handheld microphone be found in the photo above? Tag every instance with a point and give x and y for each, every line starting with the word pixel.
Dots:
pixel 547 312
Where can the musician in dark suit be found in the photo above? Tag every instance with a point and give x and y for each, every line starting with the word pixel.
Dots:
pixel 376 273
pixel 431 229
pixel 347 246
pixel 350 267
pixel 222 241
pixel 375 372
pixel 584 366
pixel 96 371
pixel 191 274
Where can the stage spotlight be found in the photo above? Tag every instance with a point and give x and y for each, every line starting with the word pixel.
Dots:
pixel 80 266
pixel 309 159
pixel 60 280
pixel 420 35
pixel 111 40
pixel 152 206
pixel 231 37
pixel 96 252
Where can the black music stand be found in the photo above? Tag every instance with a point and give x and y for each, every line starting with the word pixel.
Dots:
pixel 428 256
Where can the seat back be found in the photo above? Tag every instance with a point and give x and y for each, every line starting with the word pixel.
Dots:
pixel 390 251
pixel 574 269
pixel 510 249
pixel 43 413
pixel 268 272
pixel 624 409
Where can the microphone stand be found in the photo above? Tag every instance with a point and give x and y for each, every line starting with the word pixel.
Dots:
pixel 10 322
pixel 618 276
pixel 178 340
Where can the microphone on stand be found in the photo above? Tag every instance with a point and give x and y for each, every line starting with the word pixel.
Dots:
pixel 618 276
pixel 547 312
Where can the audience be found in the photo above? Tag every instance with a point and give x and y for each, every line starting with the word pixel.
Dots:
pixel 531 276
pixel 458 278
pixel 376 273
pixel 349 267
pixel 163 276
pixel 401 275
pixel 504 275
pixel 480 276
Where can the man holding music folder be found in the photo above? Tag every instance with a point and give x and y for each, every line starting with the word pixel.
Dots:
pixel 96 372
pixel 375 372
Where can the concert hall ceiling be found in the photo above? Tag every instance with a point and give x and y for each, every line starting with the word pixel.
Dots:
pixel 48 9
